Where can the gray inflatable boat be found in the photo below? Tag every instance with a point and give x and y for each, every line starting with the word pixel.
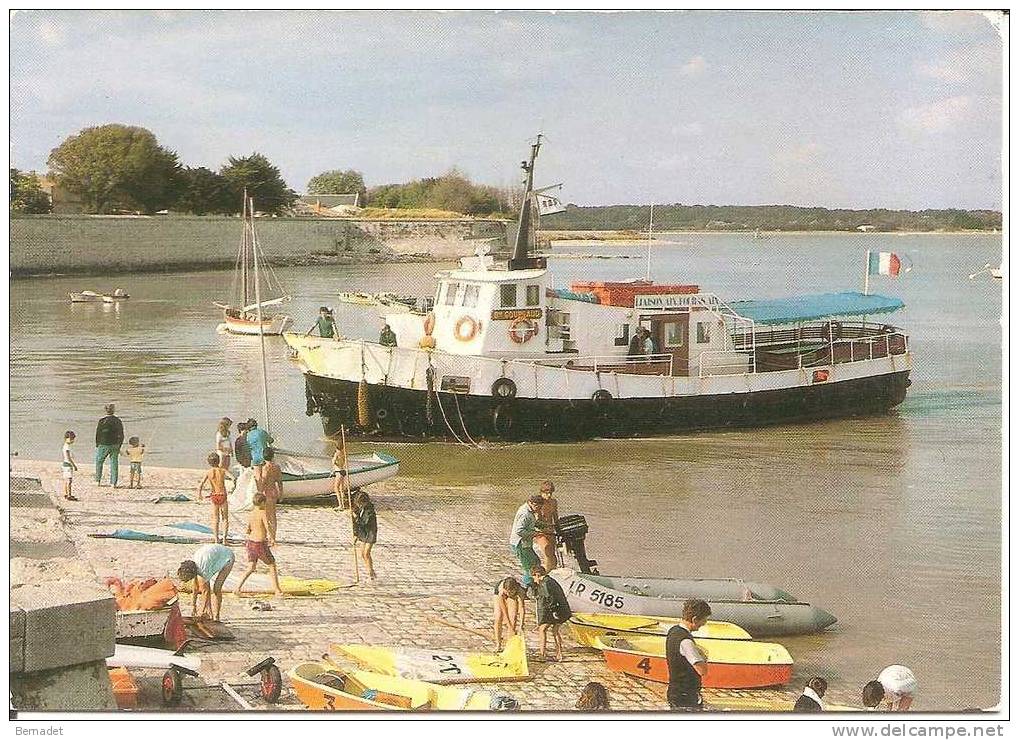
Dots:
pixel 760 609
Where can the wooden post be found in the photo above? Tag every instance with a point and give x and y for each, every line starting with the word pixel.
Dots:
pixel 350 503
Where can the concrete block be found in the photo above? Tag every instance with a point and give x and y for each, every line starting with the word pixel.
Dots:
pixel 25 484
pixel 17 654
pixel 82 687
pixel 65 625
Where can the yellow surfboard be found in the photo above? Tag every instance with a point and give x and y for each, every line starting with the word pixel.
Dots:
pixel 442 666
pixel 587 628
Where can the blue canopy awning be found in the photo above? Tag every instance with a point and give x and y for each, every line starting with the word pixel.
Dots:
pixel 813 307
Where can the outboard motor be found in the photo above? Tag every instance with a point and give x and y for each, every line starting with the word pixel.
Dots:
pixel 572 532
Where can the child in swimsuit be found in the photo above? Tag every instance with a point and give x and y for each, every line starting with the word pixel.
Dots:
pixel 508 609
pixel 258 546
pixel 269 482
pixel 135 451
pixel 216 478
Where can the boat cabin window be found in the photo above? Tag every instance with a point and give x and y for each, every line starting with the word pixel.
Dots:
pixel 470 296
pixel 703 332
pixel 675 333
pixel 622 336
pixel 533 295
pixel 508 295
pixel 451 289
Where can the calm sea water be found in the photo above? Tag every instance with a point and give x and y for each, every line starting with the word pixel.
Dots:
pixel 893 523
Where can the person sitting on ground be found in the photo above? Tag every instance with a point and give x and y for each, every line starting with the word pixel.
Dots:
pixel 135 453
pixel 687 664
pixel 810 699
pixel 521 540
pixel 594 698
pixel 257 545
pixel 553 610
pixel 224 446
pixel 242 453
pixel 507 609
pixel 896 686
pixel 208 568
pixel 548 523
pixel 387 338
pixel 67 465
pixel 325 324
pixel 216 477
pixel 366 530
pixel 269 482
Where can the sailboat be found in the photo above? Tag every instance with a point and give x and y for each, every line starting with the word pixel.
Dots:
pixel 241 316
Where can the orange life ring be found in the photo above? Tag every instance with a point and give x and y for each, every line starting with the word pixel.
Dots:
pixel 521 330
pixel 429 324
pixel 472 329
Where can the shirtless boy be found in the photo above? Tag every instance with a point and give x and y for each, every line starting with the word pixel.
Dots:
pixel 269 482
pixel 257 545
pixel 216 478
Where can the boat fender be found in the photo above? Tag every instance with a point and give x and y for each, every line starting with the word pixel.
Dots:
pixel 466 329
pixel 522 330
pixel 429 324
pixel 363 409
pixel 502 419
pixel 381 414
pixel 504 388
pixel 601 396
pixel 429 396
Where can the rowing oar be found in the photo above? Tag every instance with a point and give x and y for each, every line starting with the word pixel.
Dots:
pixel 471 630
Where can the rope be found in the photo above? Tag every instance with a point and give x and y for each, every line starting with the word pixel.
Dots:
pixel 463 423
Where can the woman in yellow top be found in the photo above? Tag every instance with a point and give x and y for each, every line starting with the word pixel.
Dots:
pixel 135 451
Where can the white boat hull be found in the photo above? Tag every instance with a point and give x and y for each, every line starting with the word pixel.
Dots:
pixel 271 326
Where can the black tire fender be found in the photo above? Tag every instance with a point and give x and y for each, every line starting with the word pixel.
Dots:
pixel 601 396
pixel 504 388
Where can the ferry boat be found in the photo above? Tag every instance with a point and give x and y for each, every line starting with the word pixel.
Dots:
pixel 504 355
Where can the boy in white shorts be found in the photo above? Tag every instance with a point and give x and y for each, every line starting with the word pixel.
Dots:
pixel 67 465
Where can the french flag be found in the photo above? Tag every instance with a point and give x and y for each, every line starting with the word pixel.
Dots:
pixel 884 263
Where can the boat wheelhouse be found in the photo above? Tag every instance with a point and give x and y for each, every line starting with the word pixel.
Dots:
pixel 506 355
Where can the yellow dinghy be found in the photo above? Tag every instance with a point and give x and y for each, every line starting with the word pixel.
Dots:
pixel 443 666
pixel 324 686
pixel 589 628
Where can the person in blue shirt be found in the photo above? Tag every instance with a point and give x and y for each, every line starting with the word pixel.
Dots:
pixel 258 441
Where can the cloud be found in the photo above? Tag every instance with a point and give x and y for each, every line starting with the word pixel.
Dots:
pixel 981 62
pixel 694 67
pixel 938 116
pixel 51 34
pixel 956 22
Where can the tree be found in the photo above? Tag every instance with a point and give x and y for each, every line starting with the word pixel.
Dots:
pixel 256 174
pixel 116 166
pixel 332 182
pixel 27 195
pixel 204 191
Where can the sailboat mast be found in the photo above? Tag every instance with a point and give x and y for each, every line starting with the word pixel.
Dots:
pixel 244 252
pixel 258 315
pixel 650 226
pixel 521 247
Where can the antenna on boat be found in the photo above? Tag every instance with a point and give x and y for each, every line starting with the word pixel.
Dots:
pixel 521 249
pixel 650 226
pixel 258 308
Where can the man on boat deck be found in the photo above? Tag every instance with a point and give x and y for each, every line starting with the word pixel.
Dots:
pixel 325 323
pixel 687 664
pixel 521 540
pixel 388 337
pixel 109 438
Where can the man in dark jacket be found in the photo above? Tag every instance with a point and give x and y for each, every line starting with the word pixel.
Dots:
pixel 109 438
pixel 687 664
pixel 810 699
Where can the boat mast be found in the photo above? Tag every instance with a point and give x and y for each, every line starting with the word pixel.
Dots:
pixel 521 248
pixel 650 226
pixel 244 252
pixel 258 314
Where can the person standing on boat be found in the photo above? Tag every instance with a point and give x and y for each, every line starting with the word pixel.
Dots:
pixel 649 343
pixel 109 438
pixel 325 324
pixel 521 540
pixel 548 520
pixel 687 664
pixel 636 342
pixel 387 338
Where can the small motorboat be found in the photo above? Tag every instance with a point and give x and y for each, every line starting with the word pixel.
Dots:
pixel 732 664
pixel 442 666
pixel 90 296
pixel 742 603
pixel 309 477
pixel 326 686
pixel 589 628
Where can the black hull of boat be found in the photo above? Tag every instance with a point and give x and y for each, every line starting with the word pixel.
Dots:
pixel 407 414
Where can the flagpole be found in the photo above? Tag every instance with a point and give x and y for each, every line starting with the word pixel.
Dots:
pixel 650 226
pixel 866 274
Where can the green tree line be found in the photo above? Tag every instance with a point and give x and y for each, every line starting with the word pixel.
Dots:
pixel 767 218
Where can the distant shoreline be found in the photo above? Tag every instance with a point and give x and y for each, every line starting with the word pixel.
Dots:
pixel 636 237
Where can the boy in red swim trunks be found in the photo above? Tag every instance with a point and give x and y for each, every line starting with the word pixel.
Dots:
pixel 257 545
pixel 216 478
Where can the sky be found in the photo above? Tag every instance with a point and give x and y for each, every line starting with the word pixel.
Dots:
pixel 857 109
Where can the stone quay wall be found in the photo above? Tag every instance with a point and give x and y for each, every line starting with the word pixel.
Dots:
pixel 113 244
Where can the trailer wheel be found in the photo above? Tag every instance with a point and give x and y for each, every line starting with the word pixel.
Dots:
pixel 272 684
pixel 172 688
